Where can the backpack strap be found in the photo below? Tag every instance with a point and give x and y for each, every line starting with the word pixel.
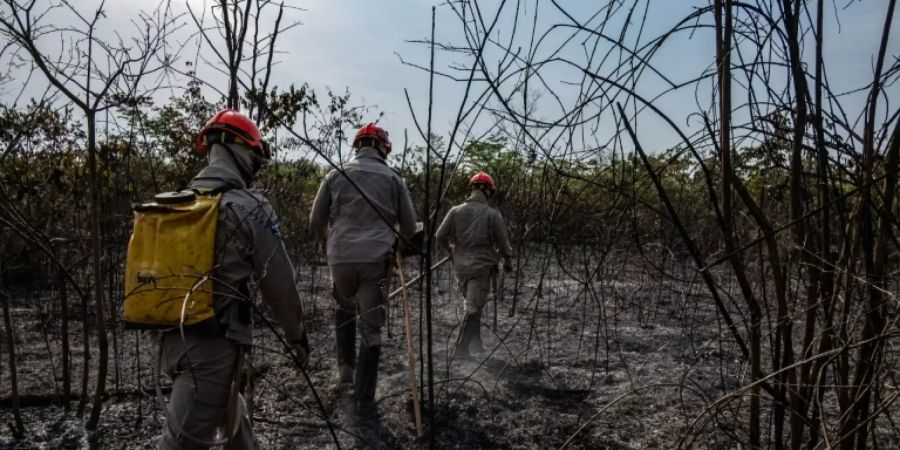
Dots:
pixel 213 192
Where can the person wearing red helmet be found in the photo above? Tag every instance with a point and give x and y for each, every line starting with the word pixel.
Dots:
pixel 474 233
pixel 204 360
pixel 371 135
pixel 365 204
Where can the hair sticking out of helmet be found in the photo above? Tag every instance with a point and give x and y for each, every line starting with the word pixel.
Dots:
pixel 371 134
pixel 230 126
pixel 482 179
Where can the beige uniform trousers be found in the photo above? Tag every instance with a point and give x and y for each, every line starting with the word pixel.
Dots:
pixel 202 369
pixel 476 291
pixel 359 288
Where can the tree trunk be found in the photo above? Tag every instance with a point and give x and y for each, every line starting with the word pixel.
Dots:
pixel 817 376
pixel 869 356
pixel 85 344
pixel 64 336
pixel 102 344
pixel 19 429
pixel 723 64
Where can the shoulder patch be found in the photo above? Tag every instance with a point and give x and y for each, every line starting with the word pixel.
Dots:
pixel 256 208
pixel 265 217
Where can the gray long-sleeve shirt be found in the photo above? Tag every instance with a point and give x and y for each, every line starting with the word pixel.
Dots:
pixel 363 232
pixel 249 246
pixel 476 233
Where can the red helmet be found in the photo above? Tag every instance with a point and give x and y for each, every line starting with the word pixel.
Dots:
pixel 236 125
pixel 482 178
pixel 370 130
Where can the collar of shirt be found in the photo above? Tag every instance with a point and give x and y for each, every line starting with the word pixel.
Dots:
pixel 370 153
pixel 216 174
pixel 478 197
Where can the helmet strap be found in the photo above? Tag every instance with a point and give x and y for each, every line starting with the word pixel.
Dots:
pixel 266 151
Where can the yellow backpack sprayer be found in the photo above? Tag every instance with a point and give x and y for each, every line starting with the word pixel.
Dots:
pixel 168 280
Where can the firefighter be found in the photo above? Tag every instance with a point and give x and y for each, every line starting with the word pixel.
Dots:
pixel 474 233
pixel 204 359
pixel 366 205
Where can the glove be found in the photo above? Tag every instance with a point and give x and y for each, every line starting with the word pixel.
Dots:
pixel 508 265
pixel 301 350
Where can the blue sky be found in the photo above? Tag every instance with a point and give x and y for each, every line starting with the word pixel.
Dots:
pixel 355 44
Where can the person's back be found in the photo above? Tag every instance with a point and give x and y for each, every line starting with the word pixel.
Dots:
pixel 248 244
pixel 368 209
pixel 204 360
pixel 477 232
pixel 366 200
pixel 475 235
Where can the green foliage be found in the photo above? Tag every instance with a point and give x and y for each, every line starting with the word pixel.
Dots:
pixel 41 163
pixel 281 107
pixel 591 201
pixel 494 157
pixel 291 186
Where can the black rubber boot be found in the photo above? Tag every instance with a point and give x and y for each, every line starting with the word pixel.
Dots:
pixel 345 334
pixel 476 346
pixel 367 378
pixel 466 334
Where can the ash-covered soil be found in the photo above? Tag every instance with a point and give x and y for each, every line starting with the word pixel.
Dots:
pixel 624 361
